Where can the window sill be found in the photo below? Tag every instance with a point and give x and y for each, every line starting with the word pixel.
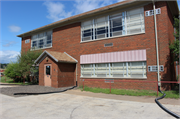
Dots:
pixel 112 37
pixel 142 78
pixel 41 48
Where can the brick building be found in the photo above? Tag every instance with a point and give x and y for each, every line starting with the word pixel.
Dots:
pixel 113 42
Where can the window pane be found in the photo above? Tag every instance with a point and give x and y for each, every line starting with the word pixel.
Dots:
pixel 101 29
pixel 117 29
pixel 135 21
pixel 101 70
pixel 34 44
pixel 87 70
pixel 87 34
pixel 34 37
pixel 41 43
pixel 48 70
pixel 88 30
pixel 41 35
pixel 116 22
pixel 137 69
pixel 116 25
pixel 118 69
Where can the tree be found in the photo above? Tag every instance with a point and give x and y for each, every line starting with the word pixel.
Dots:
pixel 12 70
pixel 24 66
pixel 26 62
pixel 174 47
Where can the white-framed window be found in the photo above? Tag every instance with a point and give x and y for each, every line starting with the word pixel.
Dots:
pixel 41 40
pixel 115 70
pixel 122 23
pixel 101 27
pixel 87 30
pixel 135 21
pixel 117 24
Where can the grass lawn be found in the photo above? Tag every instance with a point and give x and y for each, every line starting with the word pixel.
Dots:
pixel 169 94
pixel 10 81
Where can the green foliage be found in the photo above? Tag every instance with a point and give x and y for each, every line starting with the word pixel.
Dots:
pixel 176 25
pixel 12 70
pixel 174 46
pixel 26 62
pixel 9 80
pixel 24 66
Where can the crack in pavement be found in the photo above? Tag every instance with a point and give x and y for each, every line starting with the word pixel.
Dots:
pixel 78 107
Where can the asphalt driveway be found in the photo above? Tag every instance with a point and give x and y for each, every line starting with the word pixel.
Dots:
pixel 71 106
pixel 10 90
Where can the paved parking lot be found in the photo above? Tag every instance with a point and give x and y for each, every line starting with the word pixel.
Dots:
pixel 71 106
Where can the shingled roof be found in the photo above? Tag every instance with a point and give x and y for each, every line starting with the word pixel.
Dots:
pixel 57 56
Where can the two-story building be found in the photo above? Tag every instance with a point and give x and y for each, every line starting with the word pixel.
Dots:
pixel 115 42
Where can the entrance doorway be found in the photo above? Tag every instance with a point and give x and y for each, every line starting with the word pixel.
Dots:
pixel 47 74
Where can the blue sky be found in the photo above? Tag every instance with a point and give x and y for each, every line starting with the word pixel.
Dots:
pixel 19 16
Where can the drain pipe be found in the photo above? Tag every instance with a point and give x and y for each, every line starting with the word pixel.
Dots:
pixel 157 51
pixel 164 108
pixel 76 74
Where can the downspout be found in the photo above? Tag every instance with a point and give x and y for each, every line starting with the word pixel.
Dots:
pixel 157 51
pixel 76 74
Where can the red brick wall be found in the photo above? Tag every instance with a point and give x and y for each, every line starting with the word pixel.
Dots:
pixel 68 38
pixel 25 46
pixel 66 73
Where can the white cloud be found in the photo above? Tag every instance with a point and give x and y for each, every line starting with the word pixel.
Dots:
pixel 14 28
pixel 8 56
pixel 87 5
pixel 9 43
pixel 56 11
pixel 120 0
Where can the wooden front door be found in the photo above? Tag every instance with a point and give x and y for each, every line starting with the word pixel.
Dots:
pixel 47 74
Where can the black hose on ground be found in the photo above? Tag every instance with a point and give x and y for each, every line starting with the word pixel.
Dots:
pixel 45 92
pixel 162 107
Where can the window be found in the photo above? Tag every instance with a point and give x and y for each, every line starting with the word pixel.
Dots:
pixel 135 21
pixel 101 70
pixel 87 30
pixel 101 28
pixel 87 70
pixel 137 69
pixel 123 23
pixel 117 24
pixel 116 70
pixel 48 70
pixel 42 40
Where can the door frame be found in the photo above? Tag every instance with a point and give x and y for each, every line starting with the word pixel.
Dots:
pixel 50 77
